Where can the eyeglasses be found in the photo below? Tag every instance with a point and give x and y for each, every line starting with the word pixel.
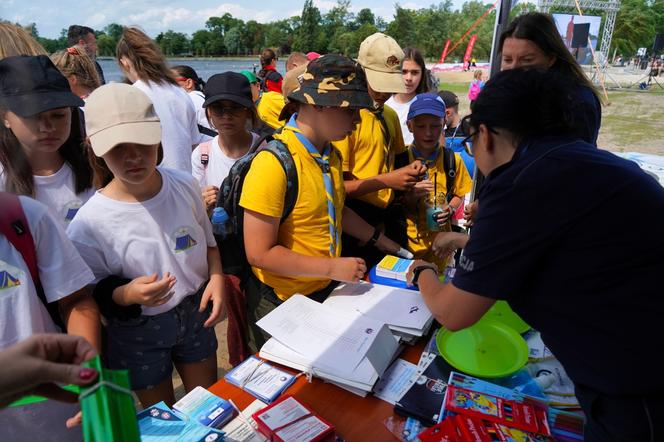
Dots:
pixel 181 79
pixel 219 111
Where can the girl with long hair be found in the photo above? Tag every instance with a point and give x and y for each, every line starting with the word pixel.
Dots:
pixel 40 138
pixel 144 65
pixel 416 79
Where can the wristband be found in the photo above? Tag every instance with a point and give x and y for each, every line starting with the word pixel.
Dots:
pixel 419 269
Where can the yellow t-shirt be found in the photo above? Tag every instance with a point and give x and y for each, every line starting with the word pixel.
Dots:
pixel 306 230
pixel 269 107
pixel 420 237
pixel 365 154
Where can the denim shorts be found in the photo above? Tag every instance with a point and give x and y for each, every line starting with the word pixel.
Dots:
pixel 148 346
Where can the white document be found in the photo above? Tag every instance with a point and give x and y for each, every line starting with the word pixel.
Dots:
pixel 325 336
pixel 363 377
pixel 396 381
pixel 243 428
pixel 395 306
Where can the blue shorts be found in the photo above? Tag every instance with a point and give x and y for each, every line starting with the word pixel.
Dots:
pixel 148 346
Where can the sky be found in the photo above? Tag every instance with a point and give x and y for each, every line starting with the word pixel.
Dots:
pixel 51 16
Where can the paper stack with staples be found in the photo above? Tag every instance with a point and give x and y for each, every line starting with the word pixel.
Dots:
pixel 343 347
pixel 404 311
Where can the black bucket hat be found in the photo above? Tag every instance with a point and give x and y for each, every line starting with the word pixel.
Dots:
pixel 333 80
pixel 30 85
pixel 231 86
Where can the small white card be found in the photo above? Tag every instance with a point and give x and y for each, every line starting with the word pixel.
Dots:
pixel 260 379
pixel 396 381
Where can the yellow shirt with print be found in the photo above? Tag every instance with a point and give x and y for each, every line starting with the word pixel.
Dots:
pixel 365 153
pixel 269 107
pixel 306 230
pixel 420 237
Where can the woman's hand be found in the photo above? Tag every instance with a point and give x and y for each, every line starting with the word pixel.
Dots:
pixel 38 364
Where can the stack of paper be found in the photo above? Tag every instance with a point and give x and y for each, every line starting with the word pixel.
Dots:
pixel 404 311
pixel 393 267
pixel 343 347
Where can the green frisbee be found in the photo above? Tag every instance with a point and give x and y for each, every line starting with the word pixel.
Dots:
pixel 487 349
pixel 503 313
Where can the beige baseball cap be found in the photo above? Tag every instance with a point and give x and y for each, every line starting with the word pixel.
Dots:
pixel 120 113
pixel 380 56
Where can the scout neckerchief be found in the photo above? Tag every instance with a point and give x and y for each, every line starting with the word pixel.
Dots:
pixel 323 161
pixel 387 138
pixel 427 161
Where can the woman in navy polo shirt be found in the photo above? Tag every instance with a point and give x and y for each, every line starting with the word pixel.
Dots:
pixel 550 237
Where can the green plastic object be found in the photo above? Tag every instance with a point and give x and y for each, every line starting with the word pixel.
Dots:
pixel 27 400
pixel 487 349
pixel 108 407
pixel 501 312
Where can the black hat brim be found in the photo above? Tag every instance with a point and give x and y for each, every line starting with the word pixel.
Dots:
pixel 242 101
pixel 27 105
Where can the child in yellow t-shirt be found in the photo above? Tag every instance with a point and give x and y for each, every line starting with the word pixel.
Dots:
pixel 430 204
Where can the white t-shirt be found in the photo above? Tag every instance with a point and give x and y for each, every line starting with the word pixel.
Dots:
pixel 402 111
pixel 170 232
pixel 61 272
pixel 58 193
pixel 219 164
pixel 179 129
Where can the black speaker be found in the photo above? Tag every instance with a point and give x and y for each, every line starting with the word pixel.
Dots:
pixel 580 36
pixel 659 43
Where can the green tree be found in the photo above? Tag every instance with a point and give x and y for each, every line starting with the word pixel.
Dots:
pixel 306 38
pixel 402 28
pixel 635 26
pixel 173 43
pixel 365 17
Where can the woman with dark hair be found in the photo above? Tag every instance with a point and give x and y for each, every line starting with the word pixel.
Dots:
pixel 40 139
pixel 417 81
pixel 532 41
pixel 269 77
pixel 144 65
pixel 189 80
pixel 545 240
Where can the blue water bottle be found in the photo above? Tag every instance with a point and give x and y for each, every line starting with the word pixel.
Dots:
pixel 219 220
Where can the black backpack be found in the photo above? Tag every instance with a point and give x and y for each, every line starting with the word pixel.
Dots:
pixel 231 246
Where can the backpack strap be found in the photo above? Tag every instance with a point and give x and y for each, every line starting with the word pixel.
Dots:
pixel 14 226
pixel 204 149
pixel 207 131
pixel 278 149
pixel 449 165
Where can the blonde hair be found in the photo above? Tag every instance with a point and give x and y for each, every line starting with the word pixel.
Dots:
pixel 477 75
pixel 75 61
pixel 145 56
pixel 14 40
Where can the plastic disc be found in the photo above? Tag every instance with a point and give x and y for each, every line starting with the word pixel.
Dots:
pixel 488 349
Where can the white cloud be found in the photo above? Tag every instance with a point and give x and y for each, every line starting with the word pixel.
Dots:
pixel 97 19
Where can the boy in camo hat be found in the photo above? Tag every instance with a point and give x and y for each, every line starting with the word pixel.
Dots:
pixel 302 253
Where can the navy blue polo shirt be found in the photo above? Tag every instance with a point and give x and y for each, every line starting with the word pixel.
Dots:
pixel 552 238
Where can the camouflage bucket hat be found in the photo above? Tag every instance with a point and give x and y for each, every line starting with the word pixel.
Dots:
pixel 333 80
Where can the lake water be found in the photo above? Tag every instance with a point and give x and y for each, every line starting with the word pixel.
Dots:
pixel 204 68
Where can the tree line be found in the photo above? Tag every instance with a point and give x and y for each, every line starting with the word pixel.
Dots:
pixel 340 30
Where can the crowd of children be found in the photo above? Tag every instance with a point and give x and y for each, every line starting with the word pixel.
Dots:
pixel 108 192
pixel 125 170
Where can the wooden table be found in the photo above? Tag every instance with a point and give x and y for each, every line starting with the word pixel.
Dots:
pixel 355 418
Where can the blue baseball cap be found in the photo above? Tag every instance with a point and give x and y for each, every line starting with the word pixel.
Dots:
pixel 427 104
